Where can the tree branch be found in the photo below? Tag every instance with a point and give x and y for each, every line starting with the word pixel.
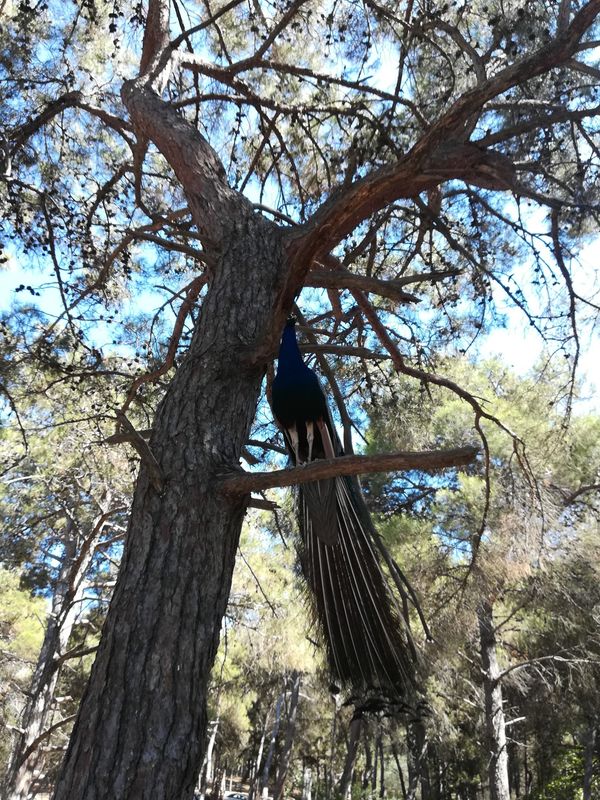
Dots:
pixel 426 461
pixel 44 735
pixel 573 496
pixel 195 162
pixel 533 661
pixel 343 279
pixel 439 155
pixel 192 291
pixel 156 33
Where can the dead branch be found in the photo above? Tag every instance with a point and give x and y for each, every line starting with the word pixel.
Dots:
pixel 426 461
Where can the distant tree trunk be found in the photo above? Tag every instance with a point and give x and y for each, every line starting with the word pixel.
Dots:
pixel 493 703
pixel 27 757
pixel 589 748
pixel 400 771
pixel 514 770
pixel 254 786
pixel 381 763
pixel 210 751
pixel 527 776
pixel 264 783
pixel 355 731
pixel 418 772
pixel 329 778
pixel 375 768
pixel 290 735
pixel 367 772
pixel 306 783
pixel 207 771
pixel 216 792
pixel 434 771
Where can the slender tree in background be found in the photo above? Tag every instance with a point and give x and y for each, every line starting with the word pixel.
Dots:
pixel 72 511
pixel 252 151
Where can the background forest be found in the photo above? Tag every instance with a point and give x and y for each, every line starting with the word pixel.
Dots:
pixel 532 602
pixel 418 183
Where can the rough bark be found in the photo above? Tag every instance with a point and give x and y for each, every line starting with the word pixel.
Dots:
pixel 493 705
pixel 141 723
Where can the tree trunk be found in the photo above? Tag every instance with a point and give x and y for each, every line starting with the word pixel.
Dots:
pixel 493 702
pixel 27 757
pixel 589 748
pixel 329 778
pixel 255 778
pixel 141 724
pixel 290 735
pixel 514 770
pixel 418 772
pixel 353 742
pixel 263 787
pixel 216 792
pixel 208 765
pixel 400 771
pixel 375 768
pixel 381 763
pixel 306 783
pixel 366 777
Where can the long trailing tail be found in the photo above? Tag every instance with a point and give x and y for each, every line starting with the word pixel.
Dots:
pixel 354 590
pixel 354 583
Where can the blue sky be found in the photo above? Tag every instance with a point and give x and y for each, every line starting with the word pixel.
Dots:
pixel 521 347
pixel 517 344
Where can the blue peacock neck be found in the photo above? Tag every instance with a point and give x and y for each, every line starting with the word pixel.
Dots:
pixel 290 359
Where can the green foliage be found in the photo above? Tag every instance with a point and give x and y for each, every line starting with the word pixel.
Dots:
pixel 22 620
pixel 565 783
pixel 537 560
pixel 95 218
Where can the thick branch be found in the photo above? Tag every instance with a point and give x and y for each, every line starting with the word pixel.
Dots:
pixel 75 652
pixel 574 496
pixel 67 100
pixel 194 161
pixel 439 155
pixel 425 461
pixel 343 279
pixel 156 32
pixel 349 206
